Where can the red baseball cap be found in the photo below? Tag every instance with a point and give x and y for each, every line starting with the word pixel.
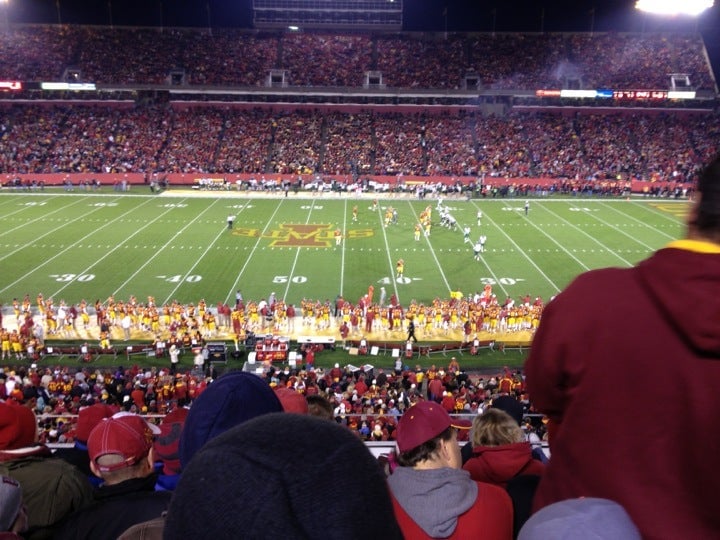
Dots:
pixel 89 417
pixel 423 422
pixel 18 426
pixel 125 434
pixel 291 401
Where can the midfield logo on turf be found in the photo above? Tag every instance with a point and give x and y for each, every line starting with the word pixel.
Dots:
pixel 679 210
pixel 301 235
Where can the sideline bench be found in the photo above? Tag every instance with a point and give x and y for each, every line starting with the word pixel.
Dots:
pixel 328 342
pixel 86 353
pixel 132 350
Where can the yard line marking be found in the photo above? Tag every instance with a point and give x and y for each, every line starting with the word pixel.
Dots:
pixel 628 263
pixel 47 261
pixel 520 250
pixel 197 259
pixel 252 251
pixel 23 208
pixel 10 200
pixel 432 251
pixel 342 248
pixel 650 248
pixel 45 217
pixel 117 247
pixel 387 251
pixel 563 248
pixel 291 275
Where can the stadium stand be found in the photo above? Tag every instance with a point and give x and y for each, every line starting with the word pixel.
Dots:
pixel 179 104
pixel 245 58
pixel 97 139
pixel 496 128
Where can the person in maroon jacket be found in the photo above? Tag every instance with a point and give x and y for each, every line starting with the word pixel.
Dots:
pixel 649 450
pixel 290 314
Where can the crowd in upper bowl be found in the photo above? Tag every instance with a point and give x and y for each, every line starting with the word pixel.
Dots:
pixel 231 57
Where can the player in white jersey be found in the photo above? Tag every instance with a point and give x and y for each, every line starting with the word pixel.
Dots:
pixel 477 249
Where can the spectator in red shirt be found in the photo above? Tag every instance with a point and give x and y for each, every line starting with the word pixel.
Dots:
pixel 138 397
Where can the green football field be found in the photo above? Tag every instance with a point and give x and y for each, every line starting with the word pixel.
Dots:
pixel 177 245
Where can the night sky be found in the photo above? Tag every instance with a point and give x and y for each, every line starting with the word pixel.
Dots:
pixel 462 15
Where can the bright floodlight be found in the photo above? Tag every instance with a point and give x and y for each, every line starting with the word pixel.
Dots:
pixel 674 7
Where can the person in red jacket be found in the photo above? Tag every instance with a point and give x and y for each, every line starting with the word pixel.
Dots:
pixel 448 402
pixel 436 389
pixel 500 451
pixel 649 450
pixel 361 386
pixel 138 396
pixel 432 496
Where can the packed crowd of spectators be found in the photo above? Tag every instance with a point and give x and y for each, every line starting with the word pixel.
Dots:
pixel 401 144
pixel 499 65
pixel 451 146
pixel 86 413
pixel 296 143
pixel 367 402
pixel 192 141
pixel 245 142
pixel 178 414
pixel 245 58
pixel 349 147
pixel 408 62
pixel 627 59
pixel 96 139
pixel 326 59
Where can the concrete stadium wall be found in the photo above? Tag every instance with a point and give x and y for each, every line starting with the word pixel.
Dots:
pixel 192 179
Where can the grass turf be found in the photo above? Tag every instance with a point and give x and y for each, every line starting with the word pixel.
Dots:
pixel 177 245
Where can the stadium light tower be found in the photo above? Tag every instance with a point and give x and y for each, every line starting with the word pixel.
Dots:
pixel 5 8
pixel 674 7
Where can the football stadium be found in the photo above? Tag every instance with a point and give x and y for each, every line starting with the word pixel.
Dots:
pixel 338 209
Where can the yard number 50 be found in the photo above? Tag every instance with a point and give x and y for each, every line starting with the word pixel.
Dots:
pixel 285 279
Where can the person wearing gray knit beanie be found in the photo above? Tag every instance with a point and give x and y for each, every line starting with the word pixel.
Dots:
pixel 283 476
